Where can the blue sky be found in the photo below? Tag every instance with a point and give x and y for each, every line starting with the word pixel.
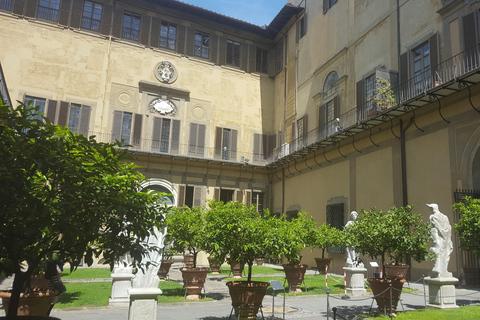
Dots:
pixel 259 12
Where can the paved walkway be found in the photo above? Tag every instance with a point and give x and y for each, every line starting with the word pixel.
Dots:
pixel 300 307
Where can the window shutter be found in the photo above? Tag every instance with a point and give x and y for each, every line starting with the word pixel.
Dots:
pixel 360 100
pixel 84 120
pixel 248 198
pixel 107 13
pixel 244 57
pixel 64 12
pixel 271 146
pixel 181 30
pixel 336 107
pixel 239 196
pixel 190 41
pixel 192 143
pixel 322 121
pixel 434 58
pixel 252 59
pixel 272 53
pixel 201 140
pixel 175 145
pixel 181 196
pixel 218 142
pixel 305 126
pixel 264 149
pixel 256 146
pixel 222 59
pixel 214 48
pixel 117 126
pixel 77 12
pixel 145 30
pixel 469 31
pixel 18 7
pixel 157 126
pixel 31 8
pixel 63 113
pixel 325 6
pixel 233 144
pixel 117 22
pixel 403 68
pixel 137 129
pixel 52 111
pixel 155 33
pixel 197 196
pixel 216 194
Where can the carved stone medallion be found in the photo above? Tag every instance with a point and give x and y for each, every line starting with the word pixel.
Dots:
pixel 163 106
pixel 165 72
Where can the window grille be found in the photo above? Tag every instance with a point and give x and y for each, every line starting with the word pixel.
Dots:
pixel 335 218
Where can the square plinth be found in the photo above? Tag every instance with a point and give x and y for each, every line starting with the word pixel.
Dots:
pixel 441 292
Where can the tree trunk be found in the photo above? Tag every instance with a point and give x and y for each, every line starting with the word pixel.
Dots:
pixel 250 266
pixel 18 285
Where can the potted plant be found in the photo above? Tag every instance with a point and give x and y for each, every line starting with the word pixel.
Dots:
pixel 74 197
pixel 215 263
pixel 384 96
pixel 394 234
pixel 326 237
pixel 468 227
pixel 296 235
pixel 185 230
pixel 166 264
pixel 242 234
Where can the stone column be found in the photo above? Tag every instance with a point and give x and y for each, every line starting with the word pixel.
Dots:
pixel 441 292
pixel 355 280
pixel 143 303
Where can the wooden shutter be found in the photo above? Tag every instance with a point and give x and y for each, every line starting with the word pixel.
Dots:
pixel 84 120
pixel 434 58
pixel 216 194
pixel 244 57
pixel 270 146
pixel 157 127
pixel 233 145
pixel 469 31
pixel 252 59
pixel 18 6
pixel 181 36
pixel 214 48
pixel 222 59
pixel 201 140
pixel 192 141
pixel 256 146
pixel 107 16
pixel 272 53
pixel 64 13
pixel 31 8
pixel 145 30
pixel 248 198
pixel 63 113
pixel 190 41
pixel 239 196
pixel 322 121
pixel 360 100
pixel 181 196
pixel 218 142
pixel 137 129
pixel 52 111
pixel 77 13
pixel 336 107
pixel 197 196
pixel 155 33
pixel 404 66
pixel 117 21
pixel 325 6
pixel 175 138
pixel 117 125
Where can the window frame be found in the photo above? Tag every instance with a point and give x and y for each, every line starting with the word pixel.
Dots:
pixel 87 22
pixel 6 5
pixel 131 32
pixel 201 49
pixel 233 53
pixel 261 60
pixel 166 41
pixel 170 144
pixel 49 10
pixel 328 4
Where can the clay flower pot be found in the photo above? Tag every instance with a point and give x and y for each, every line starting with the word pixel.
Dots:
pixel 247 297
pixel 164 269
pixel 237 270
pixel 194 281
pixel 295 274
pixel 34 303
pixel 382 294
pixel 396 271
pixel 321 262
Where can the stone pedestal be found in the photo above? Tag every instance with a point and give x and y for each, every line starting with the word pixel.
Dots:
pixel 355 280
pixel 143 303
pixel 121 283
pixel 442 292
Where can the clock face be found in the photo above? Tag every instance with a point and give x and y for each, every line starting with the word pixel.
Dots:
pixel 162 106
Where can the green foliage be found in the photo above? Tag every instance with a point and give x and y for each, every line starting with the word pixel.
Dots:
pixel 384 95
pixel 67 194
pixel 185 230
pixel 468 227
pixel 327 236
pixel 396 233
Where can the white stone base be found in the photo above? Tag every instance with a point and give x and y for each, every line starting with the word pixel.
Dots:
pixel 121 283
pixel 143 303
pixel 355 280
pixel 442 292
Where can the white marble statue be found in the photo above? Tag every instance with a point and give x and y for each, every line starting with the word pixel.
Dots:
pixel 353 258
pixel 148 277
pixel 442 241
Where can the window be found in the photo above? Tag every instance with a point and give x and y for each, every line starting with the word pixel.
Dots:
pixel 166 135
pixel 302 132
pixel 262 61
pixel 168 35
pixel 131 26
pixel 196 143
pixel 92 16
pixel 421 66
pixel 127 127
pixel 48 9
pixel 233 53
pixel 227 195
pixel 327 4
pixel 36 102
pixel 257 201
pixel 335 218
pixel 301 28
pixel 226 144
pixel 330 110
pixel 202 44
pixel 6 5
pixel 369 95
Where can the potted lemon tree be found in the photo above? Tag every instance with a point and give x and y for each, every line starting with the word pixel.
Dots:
pixel 326 237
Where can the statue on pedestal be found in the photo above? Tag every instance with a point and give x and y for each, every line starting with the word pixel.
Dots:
pixel 442 239
pixel 353 258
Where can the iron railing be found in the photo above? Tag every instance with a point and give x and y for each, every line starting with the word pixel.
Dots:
pixel 48 13
pixel 6 5
pixel 91 24
pixel 130 34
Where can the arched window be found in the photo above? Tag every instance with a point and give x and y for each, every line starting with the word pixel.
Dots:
pixel 331 85
pixel 329 111
pixel 162 186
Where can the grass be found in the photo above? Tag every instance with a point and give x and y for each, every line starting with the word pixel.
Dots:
pixel 86 273
pixel 85 294
pixel 466 312
pixel 255 270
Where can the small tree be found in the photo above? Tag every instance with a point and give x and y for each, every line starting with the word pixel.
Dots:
pixel 68 195
pixel 328 237
pixel 468 227
pixel 185 230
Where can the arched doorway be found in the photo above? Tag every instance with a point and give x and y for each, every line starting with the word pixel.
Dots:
pixel 162 186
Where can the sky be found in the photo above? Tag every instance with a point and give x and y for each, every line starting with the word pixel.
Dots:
pixel 259 12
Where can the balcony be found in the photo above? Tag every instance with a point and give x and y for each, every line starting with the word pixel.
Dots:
pixel 450 76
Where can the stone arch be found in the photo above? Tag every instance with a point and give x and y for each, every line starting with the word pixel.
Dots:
pixel 475 167
pixel 162 186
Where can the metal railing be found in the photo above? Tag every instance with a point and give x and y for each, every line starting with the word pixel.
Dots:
pixel 130 34
pixel 91 24
pixel 6 5
pixel 47 13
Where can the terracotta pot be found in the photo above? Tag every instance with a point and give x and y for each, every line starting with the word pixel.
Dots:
pixel 215 268
pixel 193 281
pixel 295 274
pixel 31 304
pixel 396 271
pixel 259 261
pixel 189 260
pixel 321 262
pixel 164 269
pixel 237 270
pixel 382 294
pixel 247 297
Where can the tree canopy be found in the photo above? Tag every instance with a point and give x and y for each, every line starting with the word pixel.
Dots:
pixel 468 227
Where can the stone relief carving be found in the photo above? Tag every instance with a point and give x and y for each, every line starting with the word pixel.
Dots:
pixel 165 72
pixel 163 106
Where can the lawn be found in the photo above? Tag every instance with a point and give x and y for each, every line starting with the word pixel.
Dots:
pixel 255 270
pixel 86 273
